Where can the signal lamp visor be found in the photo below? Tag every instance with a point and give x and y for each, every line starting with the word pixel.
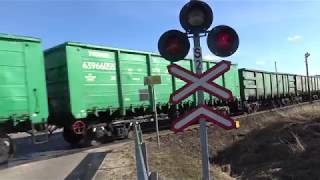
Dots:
pixel 223 41
pixel 173 45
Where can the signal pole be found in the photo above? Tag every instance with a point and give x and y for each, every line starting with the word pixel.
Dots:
pixel 200 98
pixel 306 55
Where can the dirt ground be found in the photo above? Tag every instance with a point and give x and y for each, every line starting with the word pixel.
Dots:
pixel 281 144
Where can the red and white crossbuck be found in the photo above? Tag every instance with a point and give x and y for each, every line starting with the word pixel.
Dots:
pixel 206 113
pixel 200 82
pixel 203 82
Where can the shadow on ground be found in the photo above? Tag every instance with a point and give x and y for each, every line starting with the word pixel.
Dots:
pixel 282 150
pixel 27 152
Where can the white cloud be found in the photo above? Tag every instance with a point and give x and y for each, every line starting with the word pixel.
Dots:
pixel 259 62
pixel 294 38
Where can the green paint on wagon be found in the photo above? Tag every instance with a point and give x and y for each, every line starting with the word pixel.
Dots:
pixel 23 96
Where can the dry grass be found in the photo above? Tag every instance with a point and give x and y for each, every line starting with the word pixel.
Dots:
pixel 175 164
pixel 180 163
pixel 278 145
pixel 296 147
pixel 119 164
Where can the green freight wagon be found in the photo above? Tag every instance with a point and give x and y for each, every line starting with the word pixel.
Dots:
pixel 269 88
pixel 314 84
pixel 23 94
pixel 259 85
pixel 97 89
pixel 301 85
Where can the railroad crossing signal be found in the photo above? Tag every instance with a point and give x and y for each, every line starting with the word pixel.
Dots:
pixel 196 17
pixel 202 82
pixel 203 111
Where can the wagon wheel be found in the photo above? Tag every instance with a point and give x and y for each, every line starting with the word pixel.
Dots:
pixel 71 137
pixel 256 108
pixel 7 148
pixel 75 134
pixel 79 127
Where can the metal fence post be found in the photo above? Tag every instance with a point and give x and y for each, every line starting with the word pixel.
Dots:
pixel 145 157
pixel 142 158
pixel 140 166
pixel 139 133
pixel 154 176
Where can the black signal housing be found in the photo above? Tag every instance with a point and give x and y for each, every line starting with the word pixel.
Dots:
pixel 200 12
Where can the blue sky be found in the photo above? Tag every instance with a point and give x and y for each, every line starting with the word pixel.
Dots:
pixel 274 30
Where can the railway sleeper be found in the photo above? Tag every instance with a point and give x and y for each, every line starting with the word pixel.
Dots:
pixel 315 97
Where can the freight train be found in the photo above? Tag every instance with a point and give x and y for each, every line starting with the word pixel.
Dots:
pixel 98 92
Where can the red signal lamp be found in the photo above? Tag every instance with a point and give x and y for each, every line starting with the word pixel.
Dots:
pixel 223 41
pixel 173 45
